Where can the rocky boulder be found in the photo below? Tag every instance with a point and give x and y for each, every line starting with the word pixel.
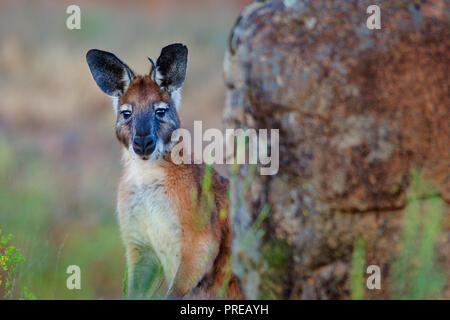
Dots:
pixel 358 110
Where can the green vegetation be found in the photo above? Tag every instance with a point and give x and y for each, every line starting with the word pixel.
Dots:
pixel 246 257
pixel 125 282
pixel 415 274
pixel 10 258
pixel 31 199
pixel 202 207
pixel 357 274
pixel 276 254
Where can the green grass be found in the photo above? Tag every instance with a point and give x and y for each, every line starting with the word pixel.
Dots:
pixel 33 208
pixel 357 275
pixel 415 274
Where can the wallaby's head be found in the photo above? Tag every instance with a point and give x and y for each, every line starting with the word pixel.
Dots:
pixel 146 106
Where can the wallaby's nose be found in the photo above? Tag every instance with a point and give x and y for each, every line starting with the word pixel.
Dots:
pixel 144 145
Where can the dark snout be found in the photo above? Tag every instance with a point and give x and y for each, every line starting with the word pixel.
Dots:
pixel 144 145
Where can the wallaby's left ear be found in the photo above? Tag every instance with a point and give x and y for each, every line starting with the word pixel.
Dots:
pixel 171 67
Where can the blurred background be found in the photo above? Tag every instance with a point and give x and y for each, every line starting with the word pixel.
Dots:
pixel 59 158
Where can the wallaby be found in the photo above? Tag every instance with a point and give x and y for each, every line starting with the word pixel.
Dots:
pixel 169 254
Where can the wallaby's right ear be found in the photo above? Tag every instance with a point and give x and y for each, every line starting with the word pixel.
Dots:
pixel 109 72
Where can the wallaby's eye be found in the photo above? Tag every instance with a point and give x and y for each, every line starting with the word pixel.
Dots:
pixel 125 114
pixel 160 112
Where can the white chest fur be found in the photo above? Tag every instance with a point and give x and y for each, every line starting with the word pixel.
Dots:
pixel 147 215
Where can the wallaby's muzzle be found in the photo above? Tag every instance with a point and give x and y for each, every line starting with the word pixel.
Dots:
pixel 144 145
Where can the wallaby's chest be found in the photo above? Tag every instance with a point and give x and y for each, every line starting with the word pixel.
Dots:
pixel 148 220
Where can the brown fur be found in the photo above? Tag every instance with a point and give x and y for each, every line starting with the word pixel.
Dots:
pixel 181 179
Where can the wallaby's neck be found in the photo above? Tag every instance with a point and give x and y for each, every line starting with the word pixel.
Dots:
pixel 138 171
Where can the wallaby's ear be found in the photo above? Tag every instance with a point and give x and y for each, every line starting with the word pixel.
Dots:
pixel 109 72
pixel 171 67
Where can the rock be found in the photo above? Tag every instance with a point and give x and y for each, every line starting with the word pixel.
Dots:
pixel 357 110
